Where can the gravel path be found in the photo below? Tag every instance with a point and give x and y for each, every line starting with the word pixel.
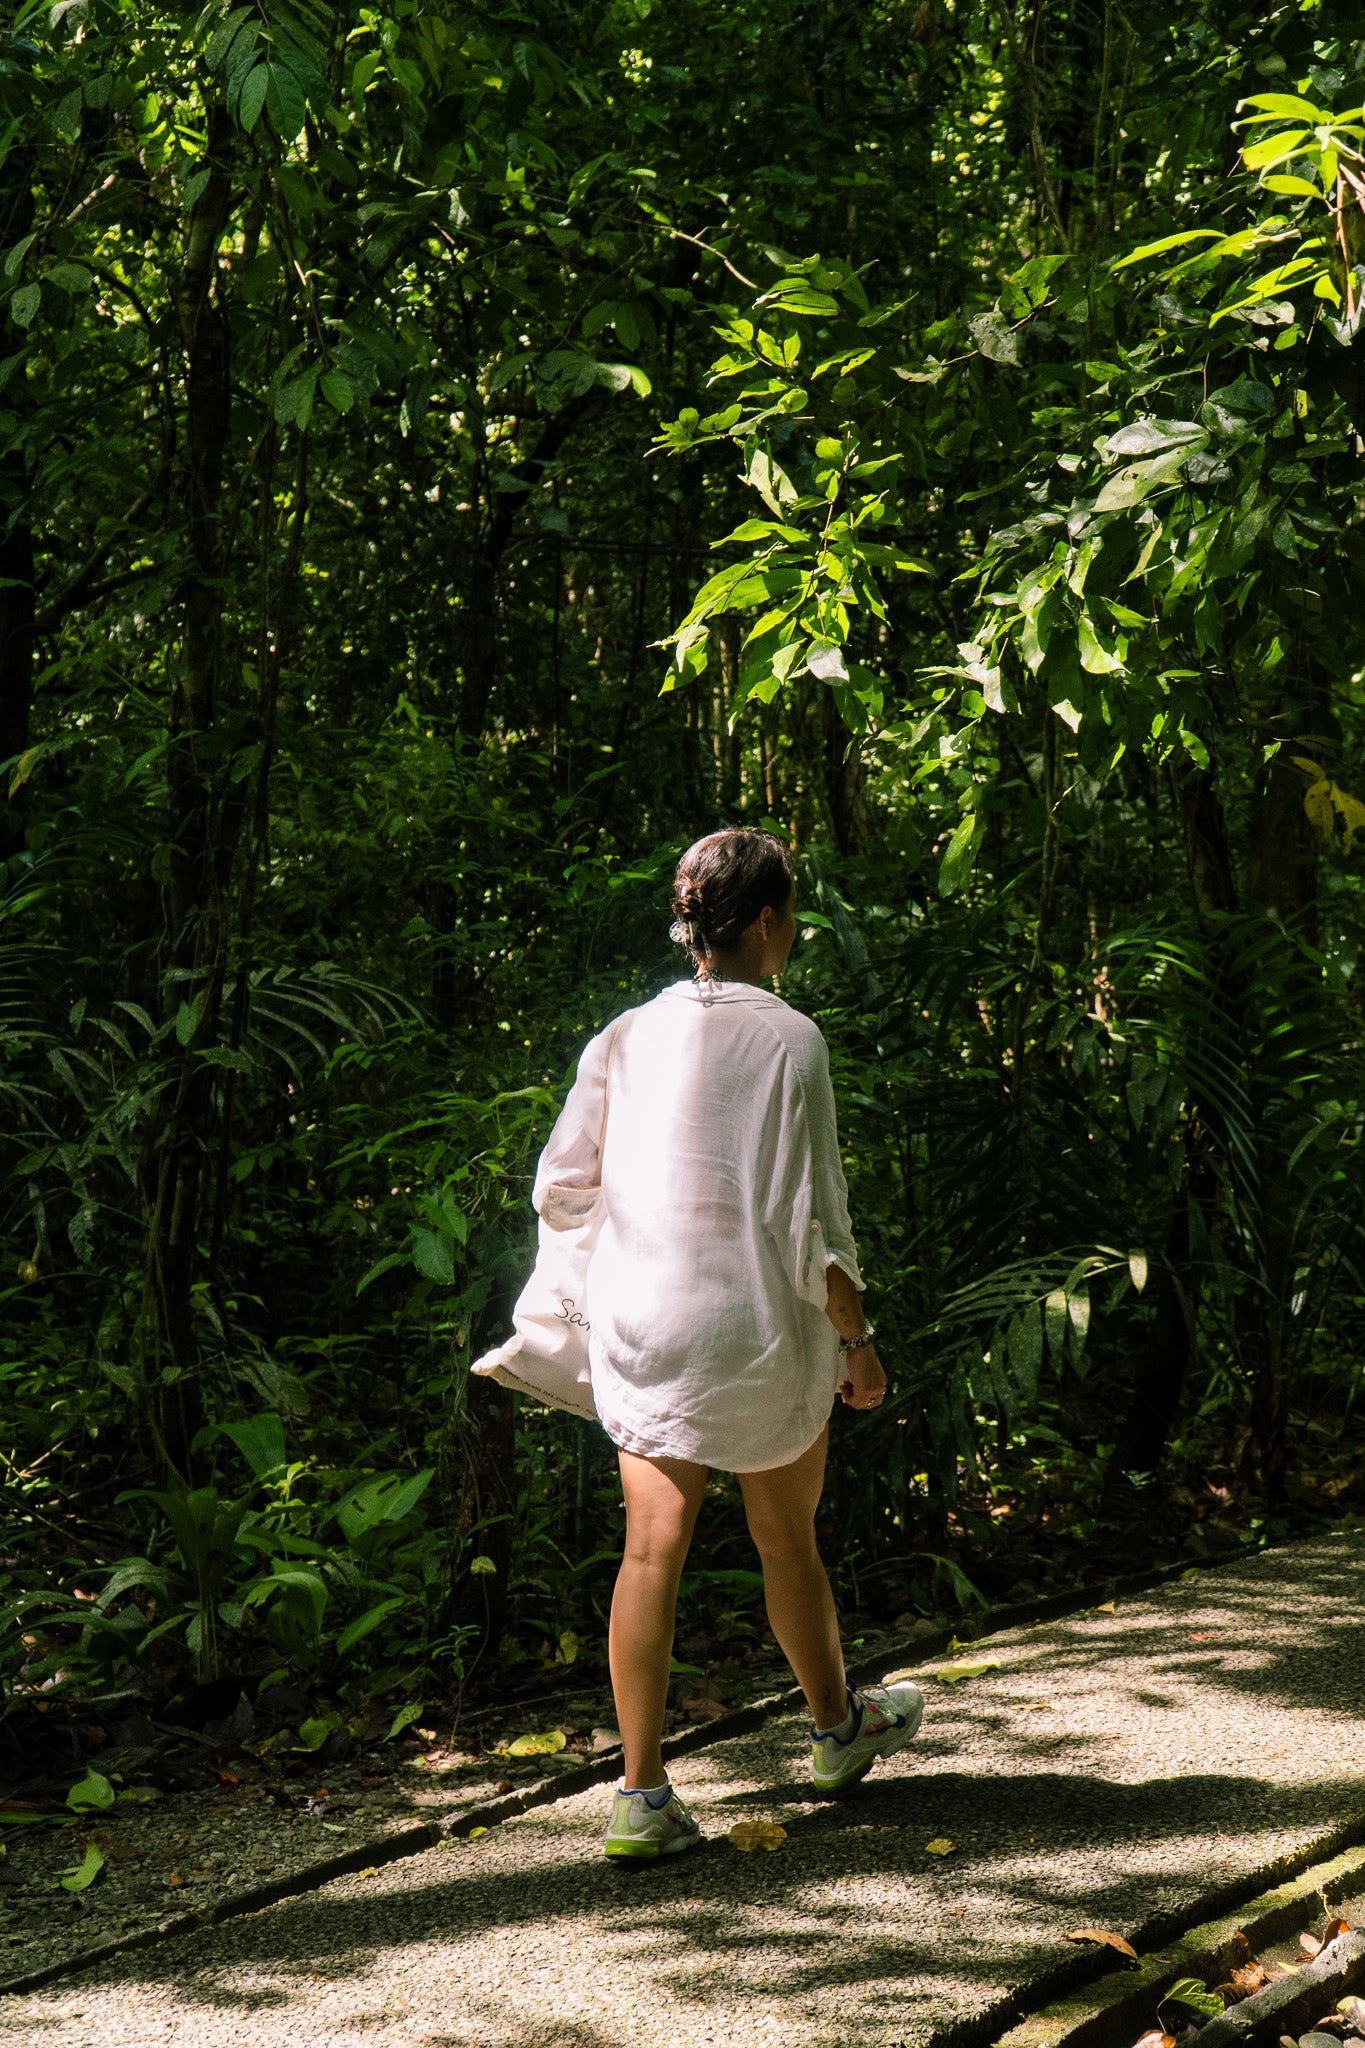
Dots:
pixel 1117 1766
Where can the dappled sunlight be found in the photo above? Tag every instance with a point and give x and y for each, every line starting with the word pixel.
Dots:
pixel 1160 1772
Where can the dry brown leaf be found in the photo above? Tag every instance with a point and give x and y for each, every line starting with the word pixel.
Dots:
pixel 1335 1926
pixel 1105 1938
pixel 1156 2039
pixel 1309 1944
pixel 757 1834
pixel 704 1706
pixel 940 1846
pixel 1243 1982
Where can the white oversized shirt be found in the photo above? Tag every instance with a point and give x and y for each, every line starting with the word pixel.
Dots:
pixel 725 1202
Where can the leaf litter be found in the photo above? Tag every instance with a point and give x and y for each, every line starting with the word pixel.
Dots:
pixel 1188 2005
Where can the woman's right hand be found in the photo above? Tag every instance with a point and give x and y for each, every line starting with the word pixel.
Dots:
pixel 864 1383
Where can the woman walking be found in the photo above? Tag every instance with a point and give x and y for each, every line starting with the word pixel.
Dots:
pixel 725 1312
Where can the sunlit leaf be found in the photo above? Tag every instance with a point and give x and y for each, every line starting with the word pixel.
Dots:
pixel 83 1874
pixel 1104 1937
pixel 757 1834
pixel 955 1674
pixel 547 1743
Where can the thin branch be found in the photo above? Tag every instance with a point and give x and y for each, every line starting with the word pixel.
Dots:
pixel 698 243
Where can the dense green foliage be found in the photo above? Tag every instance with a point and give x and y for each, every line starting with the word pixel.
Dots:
pixel 377 386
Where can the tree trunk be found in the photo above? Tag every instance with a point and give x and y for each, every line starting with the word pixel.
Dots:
pixel 201 838
pixel 16 531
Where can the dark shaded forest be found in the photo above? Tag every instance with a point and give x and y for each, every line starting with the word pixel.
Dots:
pixel 450 459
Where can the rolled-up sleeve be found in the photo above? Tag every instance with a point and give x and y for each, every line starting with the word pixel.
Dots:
pixel 806 1212
pixel 830 1222
pixel 571 1158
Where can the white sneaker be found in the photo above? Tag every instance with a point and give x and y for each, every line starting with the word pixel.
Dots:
pixel 640 1830
pixel 887 1717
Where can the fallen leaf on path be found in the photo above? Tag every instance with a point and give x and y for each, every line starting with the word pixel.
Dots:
pixel 940 1846
pixel 1309 1944
pixel 1243 1982
pixel 175 1880
pixel 704 1706
pixel 1107 1607
pixel 1352 2010
pixel 1104 1938
pixel 474 1833
pixel 1036 1707
pixel 370 1870
pixel 757 1834
pixel 1335 1926
pixel 953 1674
pixel 548 1743
pixel 1156 2039
pixel 85 1872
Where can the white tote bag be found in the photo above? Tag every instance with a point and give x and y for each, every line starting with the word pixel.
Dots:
pixel 547 1357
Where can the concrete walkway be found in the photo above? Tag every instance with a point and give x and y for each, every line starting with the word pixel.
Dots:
pixel 1119 1768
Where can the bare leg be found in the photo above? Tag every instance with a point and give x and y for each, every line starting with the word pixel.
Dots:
pixel 780 1506
pixel 662 1499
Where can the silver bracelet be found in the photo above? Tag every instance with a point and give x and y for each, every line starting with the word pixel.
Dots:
pixel 864 1336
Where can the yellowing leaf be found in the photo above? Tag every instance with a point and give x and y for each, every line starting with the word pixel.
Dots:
pixel 1106 1607
pixel 1103 1938
pixel 549 1743
pixel 953 1674
pixel 474 1833
pixel 757 1834
pixel 940 1846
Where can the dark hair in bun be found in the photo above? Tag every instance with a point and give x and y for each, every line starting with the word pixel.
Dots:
pixel 721 885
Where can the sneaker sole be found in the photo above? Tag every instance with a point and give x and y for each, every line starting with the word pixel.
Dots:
pixel 648 1852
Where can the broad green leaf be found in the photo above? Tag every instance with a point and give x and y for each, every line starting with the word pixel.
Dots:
pixel 1167 242
pixel 313 1733
pixel 404 1718
pixel 956 860
pixel 1193 1996
pixel 956 1674
pixel 83 1874
pixel 1273 149
pixel 260 1441
pixel 92 1791
pixel 547 1744
pixel 1096 659
pixel 433 1255
pixel 1287 106
pixel 284 101
pixel 251 97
